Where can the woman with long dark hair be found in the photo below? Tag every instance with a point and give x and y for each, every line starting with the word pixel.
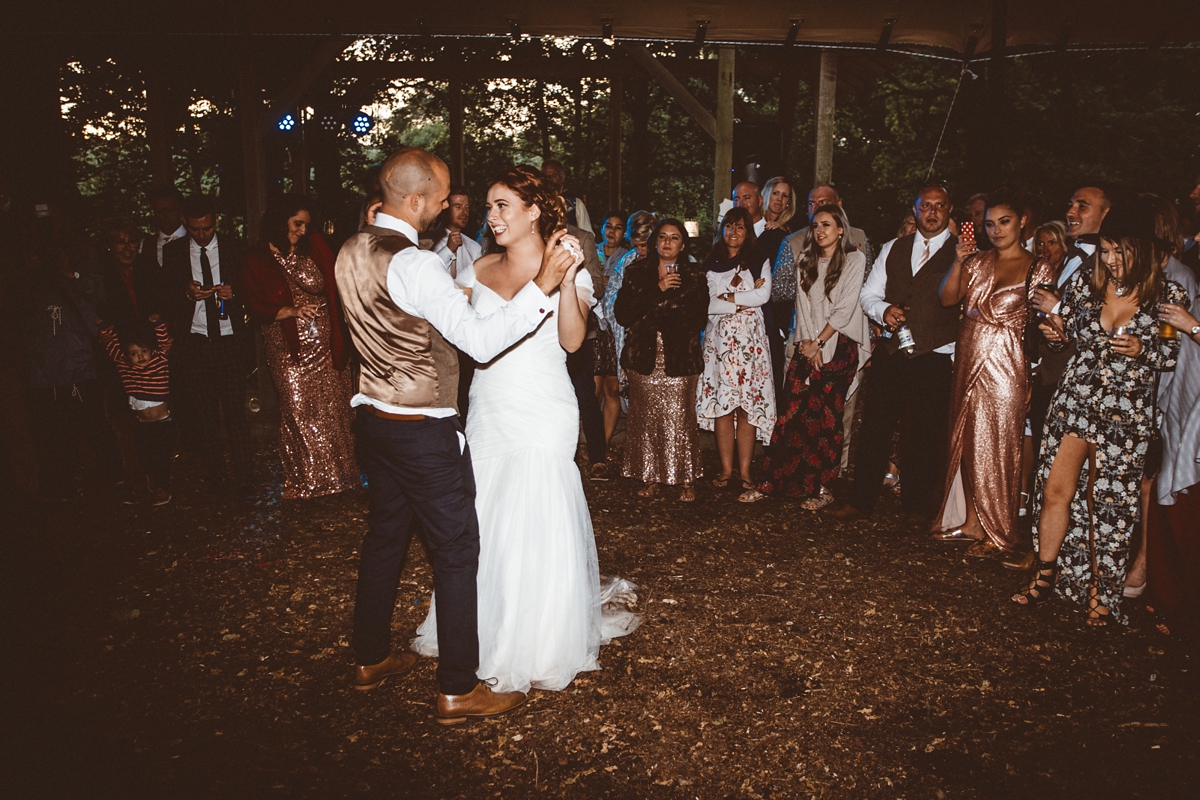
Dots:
pixel 736 398
pixel 663 303
pixel 991 384
pixel 1100 421
pixel 289 289
pixel 831 341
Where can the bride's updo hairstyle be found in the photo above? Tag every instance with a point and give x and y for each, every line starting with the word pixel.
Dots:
pixel 533 189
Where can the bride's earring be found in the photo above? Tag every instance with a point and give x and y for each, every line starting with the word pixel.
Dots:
pixel 532 228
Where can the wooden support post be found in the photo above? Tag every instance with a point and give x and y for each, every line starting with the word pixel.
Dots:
pixel 723 164
pixel 457 168
pixel 677 90
pixel 826 100
pixel 250 112
pixel 161 173
pixel 616 88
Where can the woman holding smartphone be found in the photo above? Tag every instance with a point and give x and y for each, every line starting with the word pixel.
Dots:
pixel 663 304
pixel 991 384
pixel 289 289
pixel 1101 418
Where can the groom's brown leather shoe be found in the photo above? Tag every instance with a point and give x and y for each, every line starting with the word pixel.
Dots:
pixel 368 677
pixel 479 702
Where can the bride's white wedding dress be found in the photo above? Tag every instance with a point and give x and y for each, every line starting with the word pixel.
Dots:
pixel 542 616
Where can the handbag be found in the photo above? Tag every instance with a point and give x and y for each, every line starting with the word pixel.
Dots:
pixel 1031 337
pixel 1154 447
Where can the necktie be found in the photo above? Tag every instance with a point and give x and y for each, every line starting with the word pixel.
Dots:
pixel 924 254
pixel 210 303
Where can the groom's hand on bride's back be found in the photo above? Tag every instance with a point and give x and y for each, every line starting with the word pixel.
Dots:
pixel 556 261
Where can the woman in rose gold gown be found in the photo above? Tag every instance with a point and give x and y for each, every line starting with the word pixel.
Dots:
pixel 991 384
pixel 290 290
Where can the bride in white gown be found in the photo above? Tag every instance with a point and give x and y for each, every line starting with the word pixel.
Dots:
pixel 542 616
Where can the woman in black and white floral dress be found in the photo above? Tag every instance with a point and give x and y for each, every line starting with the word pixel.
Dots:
pixel 1101 418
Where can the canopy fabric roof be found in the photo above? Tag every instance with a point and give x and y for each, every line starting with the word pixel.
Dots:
pixel 946 26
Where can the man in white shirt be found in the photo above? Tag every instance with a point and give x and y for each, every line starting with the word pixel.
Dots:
pixel 747 195
pixel 458 252
pixel 406 317
pixel 902 290
pixel 166 206
pixel 214 348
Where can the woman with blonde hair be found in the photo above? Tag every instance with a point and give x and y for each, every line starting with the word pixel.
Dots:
pixel 779 222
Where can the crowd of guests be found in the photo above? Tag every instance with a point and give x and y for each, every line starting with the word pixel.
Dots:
pixel 1029 387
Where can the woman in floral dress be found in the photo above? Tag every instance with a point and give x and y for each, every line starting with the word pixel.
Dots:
pixel 1101 418
pixel 831 342
pixel 736 396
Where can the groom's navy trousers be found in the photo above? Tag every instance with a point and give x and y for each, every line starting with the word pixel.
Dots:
pixel 415 471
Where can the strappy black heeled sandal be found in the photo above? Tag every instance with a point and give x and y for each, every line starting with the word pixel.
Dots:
pixel 1097 613
pixel 1042 586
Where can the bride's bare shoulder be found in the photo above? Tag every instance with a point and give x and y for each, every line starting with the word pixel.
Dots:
pixel 488 262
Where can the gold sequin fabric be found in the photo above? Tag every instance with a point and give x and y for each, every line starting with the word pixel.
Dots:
pixel 316 443
pixel 662 438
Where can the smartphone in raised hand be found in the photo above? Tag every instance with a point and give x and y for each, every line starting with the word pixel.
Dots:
pixel 967 231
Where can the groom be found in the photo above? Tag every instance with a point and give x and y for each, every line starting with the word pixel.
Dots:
pixel 406 316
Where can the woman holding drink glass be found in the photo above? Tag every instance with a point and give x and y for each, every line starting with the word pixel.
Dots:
pixel 289 289
pixel 663 303
pixel 1101 416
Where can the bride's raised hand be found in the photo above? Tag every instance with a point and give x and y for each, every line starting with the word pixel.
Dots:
pixel 556 261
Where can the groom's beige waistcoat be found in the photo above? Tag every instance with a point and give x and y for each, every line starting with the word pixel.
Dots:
pixel 403 360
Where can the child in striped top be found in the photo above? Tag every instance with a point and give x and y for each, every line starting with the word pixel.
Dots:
pixel 142 363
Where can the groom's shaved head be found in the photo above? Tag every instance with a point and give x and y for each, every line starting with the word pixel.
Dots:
pixel 414 185
pixel 409 171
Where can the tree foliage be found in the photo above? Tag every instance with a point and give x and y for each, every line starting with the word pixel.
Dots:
pixel 1045 124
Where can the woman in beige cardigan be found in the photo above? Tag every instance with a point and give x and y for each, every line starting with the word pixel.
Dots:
pixel 831 341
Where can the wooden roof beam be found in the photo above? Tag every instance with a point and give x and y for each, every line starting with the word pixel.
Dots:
pixel 646 60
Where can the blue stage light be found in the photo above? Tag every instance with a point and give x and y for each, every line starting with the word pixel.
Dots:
pixel 362 123
pixel 287 123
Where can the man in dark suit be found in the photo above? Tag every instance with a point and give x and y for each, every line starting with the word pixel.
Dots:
pixel 166 206
pixel 214 347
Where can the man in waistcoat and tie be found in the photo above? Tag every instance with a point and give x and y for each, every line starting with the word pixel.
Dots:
pixel 913 389
pixel 407 316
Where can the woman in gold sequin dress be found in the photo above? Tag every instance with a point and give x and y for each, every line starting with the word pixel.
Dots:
pixel 663 303
pixel 290 290
pixel 991 385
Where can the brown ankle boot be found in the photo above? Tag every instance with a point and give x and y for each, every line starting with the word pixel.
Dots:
pixel 479 702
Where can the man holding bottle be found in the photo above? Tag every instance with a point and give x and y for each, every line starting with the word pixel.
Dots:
pixel 908 386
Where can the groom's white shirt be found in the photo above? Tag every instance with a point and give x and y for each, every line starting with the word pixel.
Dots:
pixel 419 284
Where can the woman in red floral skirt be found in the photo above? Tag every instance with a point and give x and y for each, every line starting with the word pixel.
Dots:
pixel 831 341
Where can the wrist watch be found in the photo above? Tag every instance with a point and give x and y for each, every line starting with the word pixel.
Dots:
pixel 1195 330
